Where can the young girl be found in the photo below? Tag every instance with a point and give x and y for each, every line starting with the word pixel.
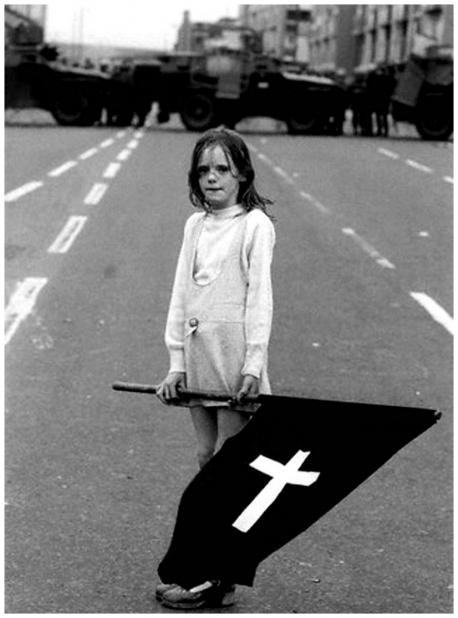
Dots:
pixel 220 313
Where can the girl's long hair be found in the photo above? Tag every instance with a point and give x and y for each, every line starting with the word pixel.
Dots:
pixel 237 152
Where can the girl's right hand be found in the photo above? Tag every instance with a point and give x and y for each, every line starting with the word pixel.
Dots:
pixel 168 390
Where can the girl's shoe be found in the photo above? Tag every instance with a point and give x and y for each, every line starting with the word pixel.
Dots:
pixel 162 588
pixel 209 594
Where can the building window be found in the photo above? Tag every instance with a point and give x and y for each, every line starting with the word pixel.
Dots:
pixel 297 14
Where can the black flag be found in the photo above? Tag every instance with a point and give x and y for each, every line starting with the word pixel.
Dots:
pixel 294 461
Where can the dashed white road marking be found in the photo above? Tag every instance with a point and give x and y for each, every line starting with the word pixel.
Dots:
pixel 375 255
pixel 124 154
pixel 423 234
pixel 437 312
pixel 111 170
pixel 21 304
pixel 65 239
pixel 139 134
pixel 96 193
pixel 15 194
pixel 107 143
pixel 264 158
pixel 133 143
pixel 62 168
pixel 88 153
pixel 448 179
pixel 281 172
pixel 388 153
pixel 418 166
pixel 120 134
pixel 320 206
pixel 315 202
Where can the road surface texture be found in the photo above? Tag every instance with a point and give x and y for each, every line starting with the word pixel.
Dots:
pixel 362 279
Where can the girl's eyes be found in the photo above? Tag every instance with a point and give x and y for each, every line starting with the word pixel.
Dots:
pixel 219 169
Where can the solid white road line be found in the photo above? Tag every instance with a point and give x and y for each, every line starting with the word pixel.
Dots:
pixel 21 304
pixel 107 143
pixel 64 240
pixel 111 170
pixel 88 153
pixel 62 168
pixel 388 153
pixel 96 193
pixel 435 310
pixel 15 194
pixel 375 255
pixel 418 166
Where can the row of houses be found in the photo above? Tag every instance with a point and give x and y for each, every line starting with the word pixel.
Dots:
pixel 327 37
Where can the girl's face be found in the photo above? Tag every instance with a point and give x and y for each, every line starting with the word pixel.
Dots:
pixel 219 181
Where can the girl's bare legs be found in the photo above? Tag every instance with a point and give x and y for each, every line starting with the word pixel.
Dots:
pixel 230 422
pixel 213 426
pixel 205 423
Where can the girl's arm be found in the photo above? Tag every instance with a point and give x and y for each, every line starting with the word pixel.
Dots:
pixel 174 329
pixel 259 246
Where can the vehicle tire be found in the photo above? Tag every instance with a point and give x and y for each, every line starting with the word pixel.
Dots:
pixel 303 121
pixel 434 119
pixel 72 106
pixel 198 112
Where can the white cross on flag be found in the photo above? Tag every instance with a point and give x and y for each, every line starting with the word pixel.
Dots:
pixel 293 462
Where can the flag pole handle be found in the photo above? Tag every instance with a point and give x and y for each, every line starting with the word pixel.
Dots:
pixel 133 387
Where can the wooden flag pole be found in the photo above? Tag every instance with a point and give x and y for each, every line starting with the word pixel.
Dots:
pixel 185 395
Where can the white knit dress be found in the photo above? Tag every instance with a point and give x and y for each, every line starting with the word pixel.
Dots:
pixel 220 313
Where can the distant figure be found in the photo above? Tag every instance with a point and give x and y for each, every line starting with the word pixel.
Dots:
pixel 380 88
pixel 360 106
pixel 340 104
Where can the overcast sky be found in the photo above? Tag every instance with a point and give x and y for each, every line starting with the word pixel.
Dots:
pixel 139 23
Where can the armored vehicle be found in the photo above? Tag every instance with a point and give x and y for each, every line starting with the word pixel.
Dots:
pixel 34 76
pixel 423 94
pixel 225 86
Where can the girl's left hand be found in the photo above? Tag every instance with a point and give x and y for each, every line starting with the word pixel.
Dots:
pixel 250 387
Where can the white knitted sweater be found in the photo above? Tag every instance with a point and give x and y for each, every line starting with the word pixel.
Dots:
pixel 218 233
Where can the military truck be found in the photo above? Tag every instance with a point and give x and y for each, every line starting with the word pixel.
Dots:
pixel 35 77
pixel 218 86
pixel 423 94
pixel 225 86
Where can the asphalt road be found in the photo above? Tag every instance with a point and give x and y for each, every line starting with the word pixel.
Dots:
pixel 363 297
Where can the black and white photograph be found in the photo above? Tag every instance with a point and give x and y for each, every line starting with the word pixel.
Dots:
pixel 228 308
